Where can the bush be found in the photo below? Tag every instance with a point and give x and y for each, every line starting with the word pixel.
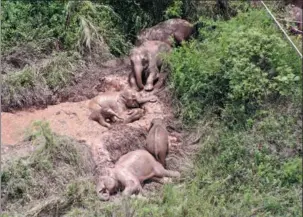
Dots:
pixel 239 65
pixel 36 85
pixel 64 23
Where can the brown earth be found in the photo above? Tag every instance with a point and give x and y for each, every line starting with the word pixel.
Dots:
pixel 69 117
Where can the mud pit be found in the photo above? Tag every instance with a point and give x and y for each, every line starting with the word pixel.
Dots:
pixel 107 145
pixel 71 118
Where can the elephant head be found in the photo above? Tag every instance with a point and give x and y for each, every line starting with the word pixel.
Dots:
pixel 158 121
pixel 106 186
pixel 139 62
pixel 129 98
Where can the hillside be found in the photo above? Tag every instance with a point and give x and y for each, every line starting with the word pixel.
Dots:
pixel 232 102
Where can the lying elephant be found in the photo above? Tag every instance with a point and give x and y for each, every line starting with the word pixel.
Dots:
pixel 146 61
pixel 169 31
pixel 157 140
pixel 110 106
pixel 129 173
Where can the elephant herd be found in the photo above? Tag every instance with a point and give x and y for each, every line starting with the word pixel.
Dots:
pixel 133 168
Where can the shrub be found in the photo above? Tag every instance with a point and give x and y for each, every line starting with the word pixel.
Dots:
pixel 35 85
pixel 238 66
pixel 65 23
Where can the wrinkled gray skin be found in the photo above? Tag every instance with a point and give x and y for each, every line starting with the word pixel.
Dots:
pixel 129 173
pixel 146 61
pixel 168 31
pixel 111 106
pixel 157 140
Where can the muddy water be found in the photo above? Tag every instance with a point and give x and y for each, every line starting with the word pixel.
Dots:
pixel 70 118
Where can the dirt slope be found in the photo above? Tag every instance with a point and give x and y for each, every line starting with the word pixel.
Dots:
pixel 71 118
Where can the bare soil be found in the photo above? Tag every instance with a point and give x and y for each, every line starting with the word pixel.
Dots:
pixel 69 117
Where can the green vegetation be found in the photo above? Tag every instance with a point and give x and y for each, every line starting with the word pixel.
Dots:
pixel 239 82
pixel 235 68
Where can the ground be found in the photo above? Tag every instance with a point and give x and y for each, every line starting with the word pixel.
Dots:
pixel 69 117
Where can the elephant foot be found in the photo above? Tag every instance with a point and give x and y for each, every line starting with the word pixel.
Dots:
pixel 148 87
pixel 139 196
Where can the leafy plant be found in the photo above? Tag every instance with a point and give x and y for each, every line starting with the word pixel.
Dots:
pixel 239 65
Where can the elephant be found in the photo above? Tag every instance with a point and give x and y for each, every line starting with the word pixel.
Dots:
pixel 129 172
pixel 110 106
pixel 146 61
pixel 169 31
pixel 157 140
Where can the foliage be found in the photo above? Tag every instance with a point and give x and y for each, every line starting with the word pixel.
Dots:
pixel 240 64
pixel 248 165
pixel 174 10
pixel 35 85
pixel 68 23
pixel 137 15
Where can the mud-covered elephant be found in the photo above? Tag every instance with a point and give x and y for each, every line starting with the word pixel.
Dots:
pixel 110 106
pixel 146 60
pixel 129 172
pixel 157 140
pixel 169 31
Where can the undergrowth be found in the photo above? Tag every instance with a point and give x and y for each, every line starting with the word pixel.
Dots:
pixel 234 68
pixel 51 178
pixel 36 85
pixel 241 70
pixel 65 25
pixel 239 173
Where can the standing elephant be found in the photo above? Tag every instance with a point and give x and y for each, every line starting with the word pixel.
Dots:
pixel 168 31
pixel 112 105
pixel 130 171
pixel 146 61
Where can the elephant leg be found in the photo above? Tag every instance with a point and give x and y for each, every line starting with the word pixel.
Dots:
pixel 161 81
pixel 96 116
pixel 151 78
pixel 157 179
pixel 132 187
pixel 135 115
pixel 132 81
pixel 179 38
pixel 160 172
pixel 110 113
pixel 161 158
pixel 103 123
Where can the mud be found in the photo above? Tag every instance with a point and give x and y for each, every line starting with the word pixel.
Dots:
pixel 70 118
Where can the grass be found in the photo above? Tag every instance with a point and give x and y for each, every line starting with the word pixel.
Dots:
pixel 248 168
pixel 35 85
pixel 48 180
pixel 237 172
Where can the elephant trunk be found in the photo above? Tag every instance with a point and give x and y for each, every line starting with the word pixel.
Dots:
pixel 103 196
pixel 138 69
